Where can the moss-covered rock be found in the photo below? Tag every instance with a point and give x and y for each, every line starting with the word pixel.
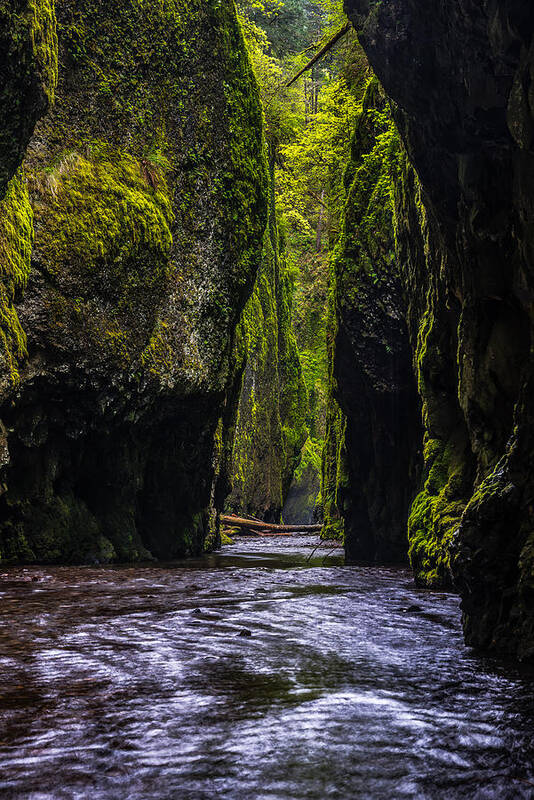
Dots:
pixel 16 239
pixel 147 186
pixel 310 274
pixel 28 65
pixel 303 503
pixel 372 454
pixel 464 223
pixel 447 478
pixel 270 429
pixel 335 485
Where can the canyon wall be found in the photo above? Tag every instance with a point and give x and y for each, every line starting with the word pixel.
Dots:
pixel 131 232
pixel 371 457
pixel 459 76
pixel 270 426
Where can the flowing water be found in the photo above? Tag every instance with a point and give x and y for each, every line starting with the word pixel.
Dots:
pixel 260 672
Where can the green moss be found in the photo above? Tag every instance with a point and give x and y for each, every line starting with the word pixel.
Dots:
pixel 158 357
pixel 293 393
pixel 257 459
pixel 62 531
pixel 98 210
pixel 334 476
pixel 29 68
pixel 148 184
pixel 364 257
pixel 31 30
pixel 41 16
pixel 437 510
pixel 16 239
pixel 435 516
pixel 271 424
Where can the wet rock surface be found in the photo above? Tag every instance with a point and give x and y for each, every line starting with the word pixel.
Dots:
pixel 143 207
pixel 459 76
pixel 372 362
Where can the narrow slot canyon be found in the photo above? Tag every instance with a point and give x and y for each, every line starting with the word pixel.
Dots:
pixel 266 399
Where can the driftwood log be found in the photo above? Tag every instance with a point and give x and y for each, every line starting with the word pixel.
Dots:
pixel 265 528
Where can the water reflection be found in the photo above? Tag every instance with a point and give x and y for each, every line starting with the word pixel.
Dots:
pixel 258 673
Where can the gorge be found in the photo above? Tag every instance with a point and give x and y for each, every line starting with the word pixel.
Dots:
pixel 225 291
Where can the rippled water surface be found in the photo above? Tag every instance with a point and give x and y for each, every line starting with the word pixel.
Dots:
pixel 256 673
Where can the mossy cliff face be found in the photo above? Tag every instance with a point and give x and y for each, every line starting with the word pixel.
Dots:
pixel 304 503
pixel 270 428
pixel 336 492
pixel 372 376
pixel 28 66
pixel 144 192
pixel 460 77
pixel 433 320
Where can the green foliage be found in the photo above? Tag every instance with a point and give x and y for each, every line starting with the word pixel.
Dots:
pixel 334 477
pixel 308 129
pixel 286 23
pixel 310 180
pixel 291 25
pixel 270 427
pixel 363 253
pixel 309 322
pixel 281 106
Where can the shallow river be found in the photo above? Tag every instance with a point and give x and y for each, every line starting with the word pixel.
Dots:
pixel 256 673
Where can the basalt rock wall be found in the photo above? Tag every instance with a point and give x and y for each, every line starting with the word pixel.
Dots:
pixel 130 240
pixel 460 78
pixel 371 458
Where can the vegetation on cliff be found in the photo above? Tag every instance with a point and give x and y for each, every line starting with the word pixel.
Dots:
pixel 270 428
pixel 371 358
pixel 142 202
pixel 308 127
pixel 29 69
pixel 16 240
pixel 349 335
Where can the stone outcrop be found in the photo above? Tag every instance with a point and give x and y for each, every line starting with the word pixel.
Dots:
pixel 132 237
pixel 460 79
pixel 373 472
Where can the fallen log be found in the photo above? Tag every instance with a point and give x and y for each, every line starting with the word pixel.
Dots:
pixel 266 527
pixel 322 52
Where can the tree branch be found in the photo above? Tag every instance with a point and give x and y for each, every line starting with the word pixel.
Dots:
pixel 328 46
pixel 318 199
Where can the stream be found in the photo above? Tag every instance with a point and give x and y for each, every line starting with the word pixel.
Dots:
pixel 266 671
